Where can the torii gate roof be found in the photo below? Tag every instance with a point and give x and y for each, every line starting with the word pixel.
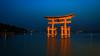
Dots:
pixel 54 17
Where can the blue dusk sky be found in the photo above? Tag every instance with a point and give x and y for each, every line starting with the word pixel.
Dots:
pixel 30 13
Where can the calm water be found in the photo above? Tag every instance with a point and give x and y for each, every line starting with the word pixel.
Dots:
pixel 37 44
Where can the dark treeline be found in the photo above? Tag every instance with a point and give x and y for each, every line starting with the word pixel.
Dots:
pixel 11 28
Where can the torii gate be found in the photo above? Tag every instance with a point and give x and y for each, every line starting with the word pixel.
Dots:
pixel 65 29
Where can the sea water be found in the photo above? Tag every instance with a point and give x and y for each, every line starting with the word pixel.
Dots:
pixel 38 44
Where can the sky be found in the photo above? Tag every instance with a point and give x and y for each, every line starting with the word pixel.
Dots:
pixel 30 13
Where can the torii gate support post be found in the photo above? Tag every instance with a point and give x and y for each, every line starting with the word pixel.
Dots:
pixel 52 30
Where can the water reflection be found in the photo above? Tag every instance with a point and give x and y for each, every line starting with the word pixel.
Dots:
pixel 7 34
pixel 58 48
pixel 51 47
pixel 65 47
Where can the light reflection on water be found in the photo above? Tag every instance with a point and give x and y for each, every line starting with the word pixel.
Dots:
pixel 61 48
pixel 37 44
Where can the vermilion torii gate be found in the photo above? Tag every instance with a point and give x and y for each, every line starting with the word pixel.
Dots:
pixel 62 20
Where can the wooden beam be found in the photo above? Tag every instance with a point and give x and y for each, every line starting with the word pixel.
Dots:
pixel 68 22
